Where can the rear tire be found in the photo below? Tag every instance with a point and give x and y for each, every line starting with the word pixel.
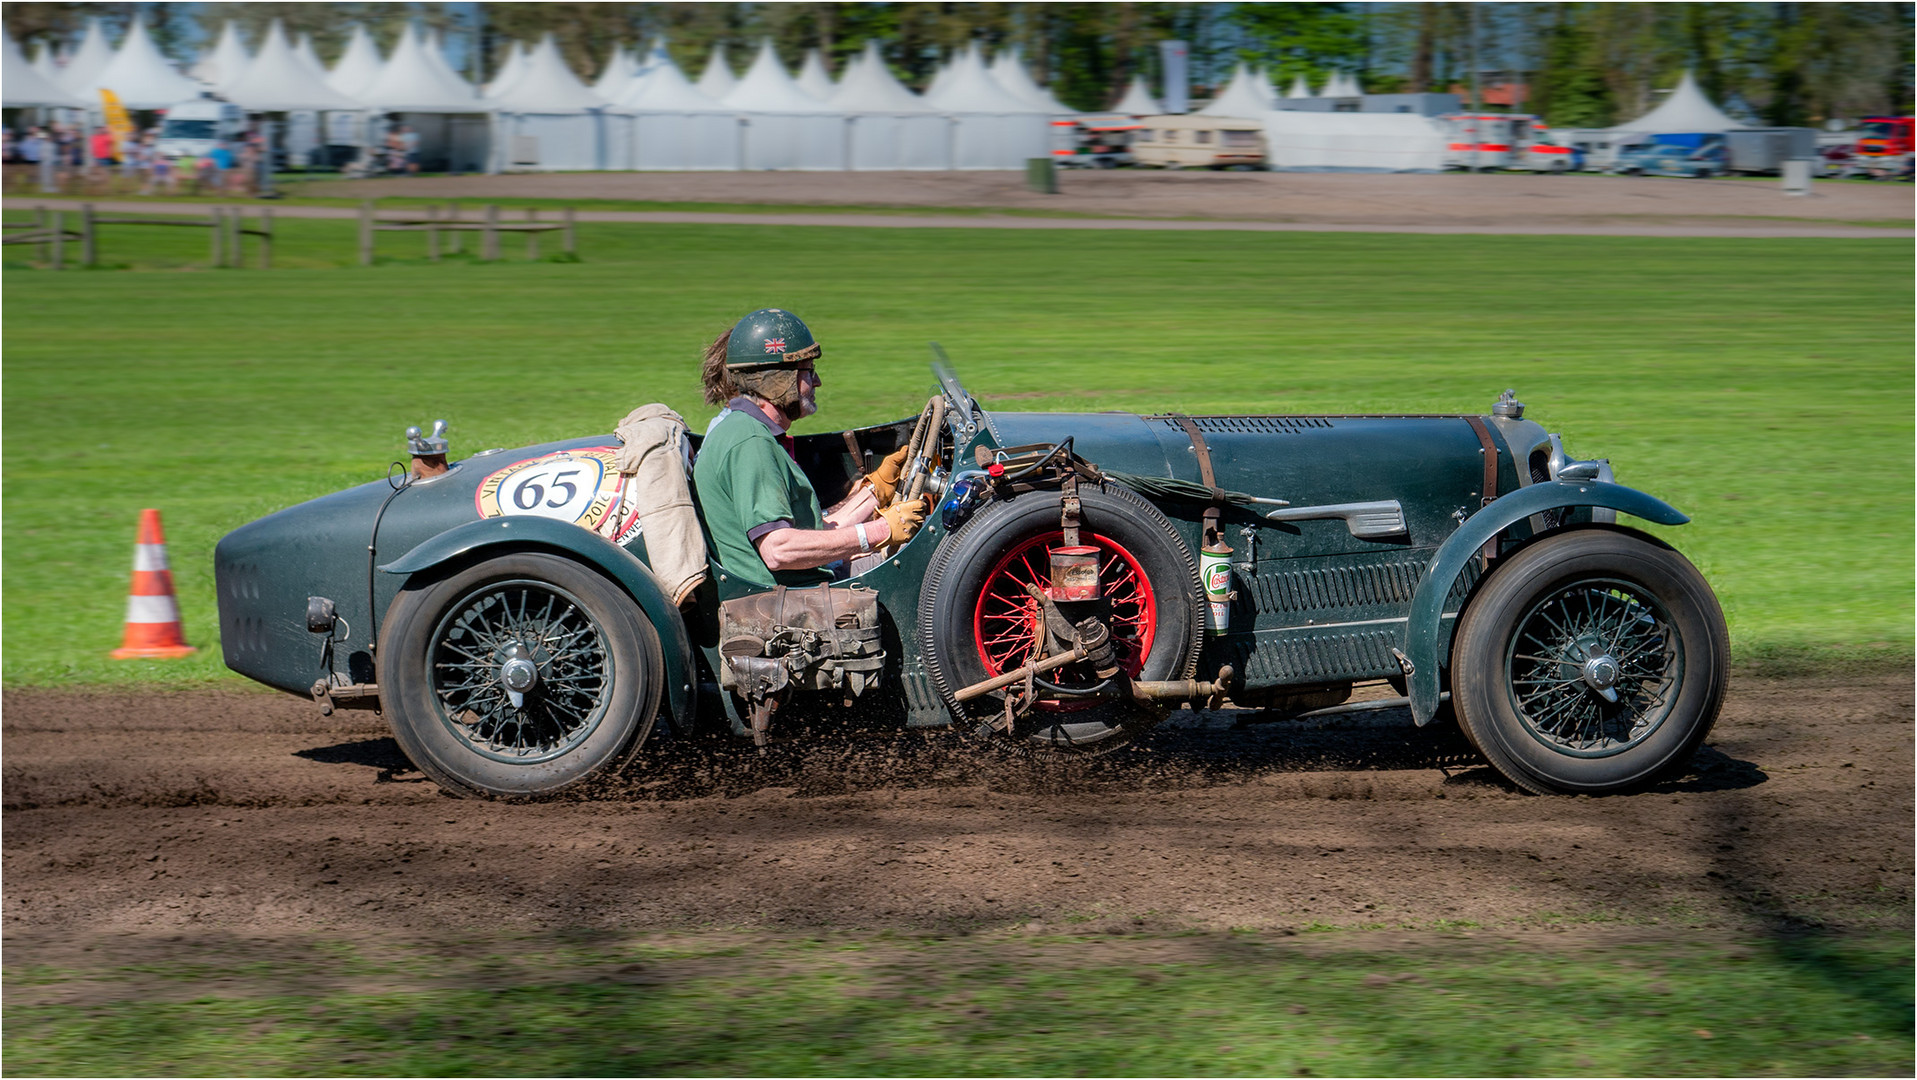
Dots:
pixel 596 676
pixel 1563 622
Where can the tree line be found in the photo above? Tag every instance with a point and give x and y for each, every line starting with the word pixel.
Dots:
pixel 1579 64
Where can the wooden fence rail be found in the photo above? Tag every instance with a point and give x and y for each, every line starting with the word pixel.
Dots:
pixel 226 225
pixel 489 227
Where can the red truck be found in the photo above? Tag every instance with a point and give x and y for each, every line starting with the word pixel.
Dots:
pixel 1885 149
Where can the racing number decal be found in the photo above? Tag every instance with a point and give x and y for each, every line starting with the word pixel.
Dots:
pixel 580 486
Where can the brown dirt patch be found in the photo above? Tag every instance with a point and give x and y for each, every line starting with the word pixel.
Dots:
pixel 234 816
pixel 1444 202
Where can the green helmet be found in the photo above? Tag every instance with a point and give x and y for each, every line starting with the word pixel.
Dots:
pixel 769 338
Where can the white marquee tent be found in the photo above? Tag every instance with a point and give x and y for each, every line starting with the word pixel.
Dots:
pixel 1138 100
pixel 1240 98
pixel 303 48
pixel 890 126
pixel 992 129
pixel 1686 111
pixel 139 75
pixel 1008 70
pixel 358 67
pixel 1385 142
pixel 444 111
pixel 786 128
pixel 814 79
pixel 436 57
pixel 675 127
pixel 21 87
pixel 509 72
pixel 92 57
pixel 548 119
pixel 410 83
pixel 1299 88
pixel 279 81
pixel 225 61
pixel 621 69
pixel 43 63
pixel 717 80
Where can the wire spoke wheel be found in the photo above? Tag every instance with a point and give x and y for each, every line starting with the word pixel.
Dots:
pixel 978 617
pixel 1008 623
pixel 530 631
pixel 1592 666
pixel 1592 661
pixel 519 676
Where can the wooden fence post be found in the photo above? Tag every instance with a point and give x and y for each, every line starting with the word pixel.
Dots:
pixel 432 233
pixel 459 237
pixel 570 242
pixel 236 223
pixel 89 251
pixel 490 250
pixel 40 227
pixel 59 239
pixel 266 238
pixel 218 230
pixel 366 232
pixel 532 238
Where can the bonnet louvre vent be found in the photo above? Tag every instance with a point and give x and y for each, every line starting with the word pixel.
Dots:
pixel 1252 425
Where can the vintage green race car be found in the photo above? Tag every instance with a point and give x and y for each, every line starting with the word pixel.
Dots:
pixel 1080 576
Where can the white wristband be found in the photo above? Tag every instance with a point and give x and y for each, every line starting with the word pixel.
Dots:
pixel 865 545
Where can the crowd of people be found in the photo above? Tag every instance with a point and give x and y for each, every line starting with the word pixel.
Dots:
pixel 131 160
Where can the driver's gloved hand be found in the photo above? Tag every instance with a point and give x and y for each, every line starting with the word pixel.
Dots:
pixel 904 519
pixel 885 478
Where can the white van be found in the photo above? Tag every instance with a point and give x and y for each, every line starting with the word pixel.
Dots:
pixel 193 128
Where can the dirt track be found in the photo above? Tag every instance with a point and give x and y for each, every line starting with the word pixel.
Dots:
pixel 247 815
pixel 1484 203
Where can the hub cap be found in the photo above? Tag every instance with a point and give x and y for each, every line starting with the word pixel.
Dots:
pixel 520 671
pixel 1593 667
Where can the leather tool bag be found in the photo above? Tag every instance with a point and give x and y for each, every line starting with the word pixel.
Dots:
pixel 821 638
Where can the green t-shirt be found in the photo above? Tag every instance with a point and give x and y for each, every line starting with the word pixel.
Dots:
pixel 746 480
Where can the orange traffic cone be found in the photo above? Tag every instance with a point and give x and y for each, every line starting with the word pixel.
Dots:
pixel 152 613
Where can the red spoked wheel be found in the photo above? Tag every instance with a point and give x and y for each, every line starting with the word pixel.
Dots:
pixel 977 619
pixel 1007 622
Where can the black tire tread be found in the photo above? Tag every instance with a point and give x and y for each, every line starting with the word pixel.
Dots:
pixel 1479 627
pixel 990 518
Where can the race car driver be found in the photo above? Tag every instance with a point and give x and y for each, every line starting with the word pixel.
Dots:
pixel 761 511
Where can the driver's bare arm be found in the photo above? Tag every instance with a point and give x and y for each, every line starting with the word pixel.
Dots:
pixel 858 506
pixel 803 549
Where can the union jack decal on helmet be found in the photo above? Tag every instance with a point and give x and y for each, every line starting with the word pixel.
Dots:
pixel 775 344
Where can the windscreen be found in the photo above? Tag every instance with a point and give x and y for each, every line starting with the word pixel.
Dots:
pixel 188 129
pixel 1882 129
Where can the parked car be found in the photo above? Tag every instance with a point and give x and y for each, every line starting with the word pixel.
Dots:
pixel 1669 159
pixel 1080 576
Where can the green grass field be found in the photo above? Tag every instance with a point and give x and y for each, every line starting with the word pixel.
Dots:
pixel 1763 386
pixel 1193 1005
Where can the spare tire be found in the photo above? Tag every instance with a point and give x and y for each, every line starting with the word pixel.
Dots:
pixel 976 620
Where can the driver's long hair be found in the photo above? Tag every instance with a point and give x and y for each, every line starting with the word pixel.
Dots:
pixel 718 381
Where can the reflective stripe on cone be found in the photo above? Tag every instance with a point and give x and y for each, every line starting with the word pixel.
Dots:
pixel 152 611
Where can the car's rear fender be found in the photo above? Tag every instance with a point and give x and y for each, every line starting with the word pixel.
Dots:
pixel 495 536
pixel 1425 632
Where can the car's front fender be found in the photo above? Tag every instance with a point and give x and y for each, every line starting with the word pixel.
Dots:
pixel 1424 633
pixel 537 533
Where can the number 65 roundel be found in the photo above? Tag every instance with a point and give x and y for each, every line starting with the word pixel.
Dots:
pixel 580 486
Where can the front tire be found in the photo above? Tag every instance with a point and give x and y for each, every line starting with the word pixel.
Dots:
pixel 1592 662
pixel 585 663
